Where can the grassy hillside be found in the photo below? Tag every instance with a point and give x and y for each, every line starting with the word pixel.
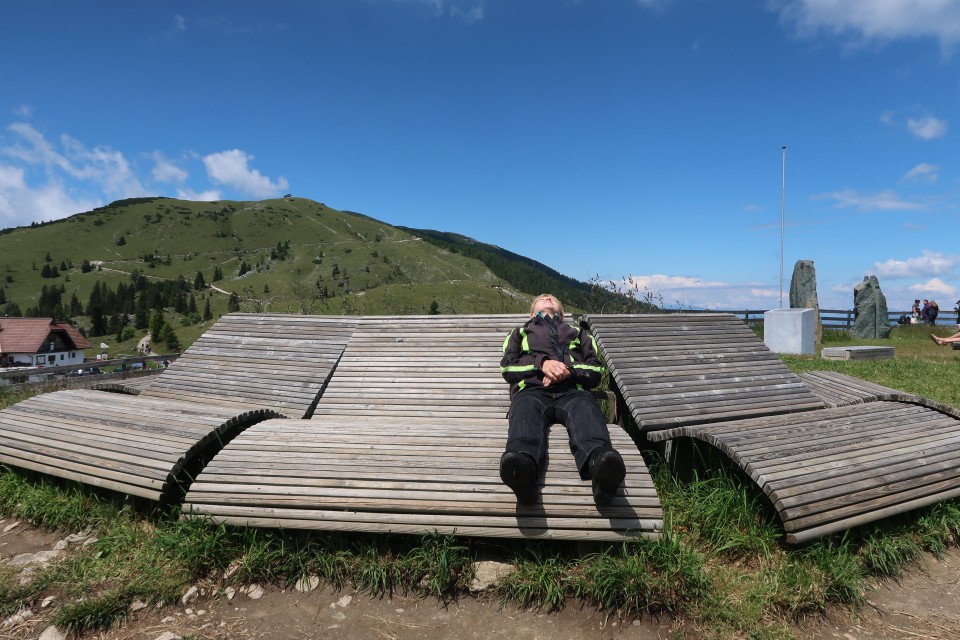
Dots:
pixel 285 255
pixel 526 274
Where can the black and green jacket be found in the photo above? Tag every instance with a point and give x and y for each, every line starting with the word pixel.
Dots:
pixel 542 338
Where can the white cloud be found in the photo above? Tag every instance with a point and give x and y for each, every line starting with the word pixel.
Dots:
pixel 923 172
pixel 470 11
pixel 48 180
pixel 202 196
pixel 927 128
pixel 887 118
pixel 873 20
pixel 930 263
pixel 231 168
pixel 23 111
pixel 470 15
pixel 180 23
pixel 886 200
pixel 655 5
pixel 103 166
pixel 165 170
pixel 690 292
pixel 932 286
pixel 20 204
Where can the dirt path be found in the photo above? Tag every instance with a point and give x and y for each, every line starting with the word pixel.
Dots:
pixel 923 605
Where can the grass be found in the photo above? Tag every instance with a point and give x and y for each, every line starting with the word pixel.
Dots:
pixel 721 566
pixel 365 265
pixel 920 366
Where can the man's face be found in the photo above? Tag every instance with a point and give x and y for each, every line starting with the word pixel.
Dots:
pixel 547 304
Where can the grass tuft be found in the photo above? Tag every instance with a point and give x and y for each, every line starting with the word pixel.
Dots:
pixel 94 613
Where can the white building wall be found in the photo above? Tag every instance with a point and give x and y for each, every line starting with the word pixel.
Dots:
pixel 42 359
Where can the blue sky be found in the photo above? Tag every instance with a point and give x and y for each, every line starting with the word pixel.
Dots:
pixel 602 137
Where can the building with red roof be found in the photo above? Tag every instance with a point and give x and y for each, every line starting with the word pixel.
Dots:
pixel 39 342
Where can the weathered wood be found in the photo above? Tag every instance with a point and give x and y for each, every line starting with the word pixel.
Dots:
pixel 856 353
pixel 832 469
pixel 275 361
pixel 416 480
pixel 676 369
pixel 407 437
pixel 245 369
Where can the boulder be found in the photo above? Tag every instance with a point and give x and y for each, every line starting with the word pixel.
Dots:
pixel 488 573
pixel 870 310
pixel 803 293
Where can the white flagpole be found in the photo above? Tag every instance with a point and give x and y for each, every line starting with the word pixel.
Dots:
pixel 783 199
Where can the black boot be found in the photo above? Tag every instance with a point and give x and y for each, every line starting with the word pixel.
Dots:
pixel 607 471
pixel 519 472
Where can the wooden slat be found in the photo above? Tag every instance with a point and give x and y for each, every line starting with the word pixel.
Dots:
pixel 828 470
pixel 121 442
pixel 839 389
pixel 359 476
pixel 680 369
pixel 268 361
pixel 246 368
pixel 407 437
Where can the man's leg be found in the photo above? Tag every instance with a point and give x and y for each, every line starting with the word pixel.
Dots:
pixel 526 444
pixel 590 443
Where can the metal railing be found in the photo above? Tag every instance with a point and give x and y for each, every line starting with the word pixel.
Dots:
pixel 829 318
pixel 106 366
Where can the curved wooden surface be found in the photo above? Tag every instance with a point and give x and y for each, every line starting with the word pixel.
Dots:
pixel 129 444
pixel 407 437
pixel 676 369
pixel 141 441
pixel 269 361
pixel 829 470
pixel 839 390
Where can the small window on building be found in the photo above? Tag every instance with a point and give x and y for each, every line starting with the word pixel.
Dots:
pixel 39 359
pixel 73 354
pixel 61 356
pixel 51 359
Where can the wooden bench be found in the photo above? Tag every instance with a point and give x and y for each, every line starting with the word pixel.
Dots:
pixel 874 453
pixel 829 470
pixel 856 353
pixel 681 369
pixel 246 368
pixel 407 438
pixel 126 443
pixel 839 389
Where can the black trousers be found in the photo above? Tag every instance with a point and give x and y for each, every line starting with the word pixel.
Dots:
pixel 532 411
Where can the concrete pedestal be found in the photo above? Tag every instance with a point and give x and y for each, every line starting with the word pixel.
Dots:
pixel 790 331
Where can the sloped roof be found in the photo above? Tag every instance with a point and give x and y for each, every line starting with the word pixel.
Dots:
pixel 28 335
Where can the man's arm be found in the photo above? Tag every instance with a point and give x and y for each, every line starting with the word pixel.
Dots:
pixel 589 370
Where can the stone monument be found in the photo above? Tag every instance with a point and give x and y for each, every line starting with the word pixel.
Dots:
pixel 870 309
pixel 803 293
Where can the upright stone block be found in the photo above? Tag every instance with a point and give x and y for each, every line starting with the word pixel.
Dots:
pixel 870 308
pixel 789 331
pixel 803 293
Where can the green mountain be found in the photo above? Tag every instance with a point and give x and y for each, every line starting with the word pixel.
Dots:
pixel 529 275
pixel 285 255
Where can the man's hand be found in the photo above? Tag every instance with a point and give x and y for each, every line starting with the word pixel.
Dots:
pixel 553 372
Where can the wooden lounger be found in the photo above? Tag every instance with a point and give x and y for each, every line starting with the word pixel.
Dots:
pixel 245 369
pixel 676 369
pixel 839 390
pixel 829 470
pixel 874 453
pixel 407 438
pixel 134 445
